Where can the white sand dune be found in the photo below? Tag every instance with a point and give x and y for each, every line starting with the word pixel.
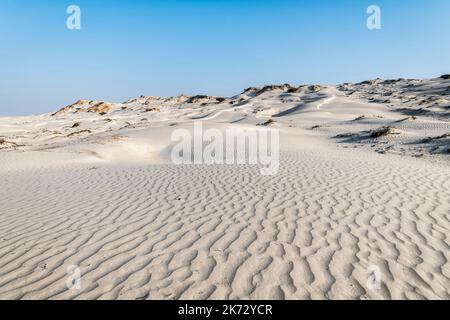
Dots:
pixel 104 195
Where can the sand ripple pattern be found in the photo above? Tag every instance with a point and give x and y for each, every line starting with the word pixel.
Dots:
pixel 226 232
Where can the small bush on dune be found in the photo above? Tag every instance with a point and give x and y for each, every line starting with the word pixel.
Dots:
pixel 383 131
pixel 268 122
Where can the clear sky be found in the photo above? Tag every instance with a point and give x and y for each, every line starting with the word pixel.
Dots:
pixel 167 47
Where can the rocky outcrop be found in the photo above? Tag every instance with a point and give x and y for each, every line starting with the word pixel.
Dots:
pixel 90 106
pixel 101 107
pixel 202 99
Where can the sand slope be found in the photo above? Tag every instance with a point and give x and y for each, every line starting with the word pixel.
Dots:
pixel 140 227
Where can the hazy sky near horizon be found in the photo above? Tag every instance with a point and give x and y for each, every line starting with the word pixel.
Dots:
pixel 165 48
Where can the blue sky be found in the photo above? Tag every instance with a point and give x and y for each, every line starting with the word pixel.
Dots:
pixel 129 48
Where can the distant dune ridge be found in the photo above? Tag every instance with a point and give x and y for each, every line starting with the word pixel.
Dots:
pixel 363 185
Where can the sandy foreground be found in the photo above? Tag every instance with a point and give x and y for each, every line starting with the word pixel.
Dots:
pixel 363 188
